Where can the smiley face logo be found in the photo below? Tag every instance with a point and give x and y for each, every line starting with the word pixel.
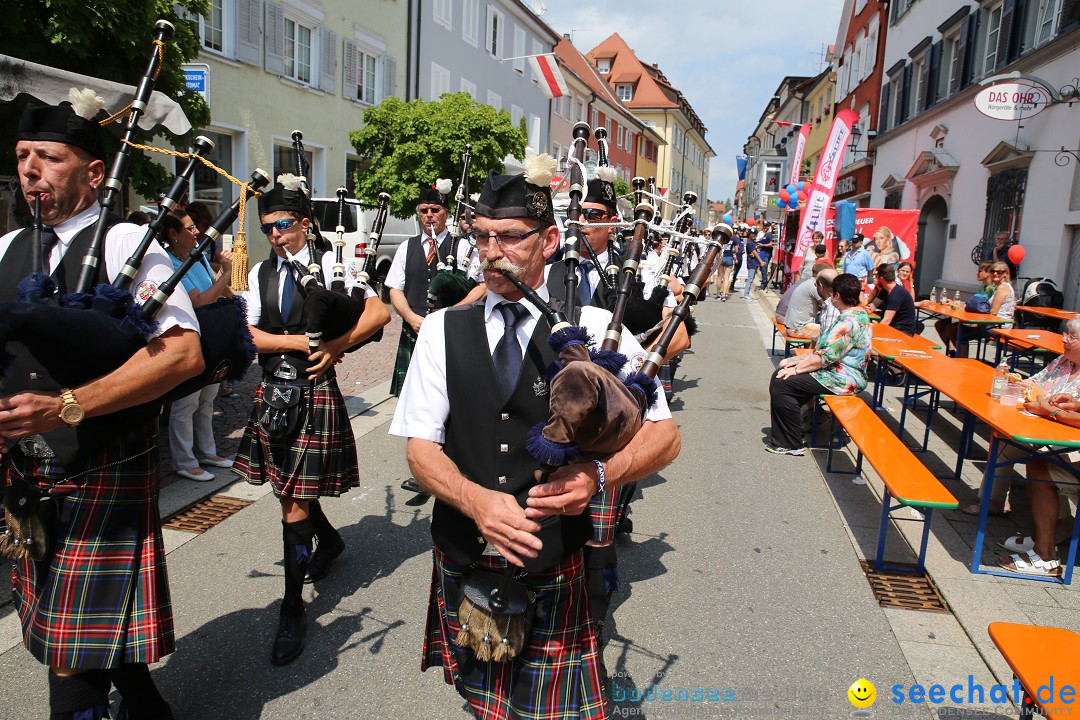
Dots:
pixel 862 693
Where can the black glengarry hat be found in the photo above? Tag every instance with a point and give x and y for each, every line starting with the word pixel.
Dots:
pixel 437 194
pixel 286 195
pixel 525 195
pixel 71 122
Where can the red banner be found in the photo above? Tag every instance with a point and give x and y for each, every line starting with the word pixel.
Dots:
pixel 902 225
pixel 819 199
pixel 800 148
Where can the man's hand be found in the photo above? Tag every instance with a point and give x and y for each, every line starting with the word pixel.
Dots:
pixel 504 524
pixel 566 492
pixel 415 321
pixel 28 413
pixel 328 354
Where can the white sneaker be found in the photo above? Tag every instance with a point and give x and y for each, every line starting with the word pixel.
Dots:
pixel 196 473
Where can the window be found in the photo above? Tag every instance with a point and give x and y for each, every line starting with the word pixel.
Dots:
pixel 537 49
pixel 209 187
pixel 468 87
pixel 516 114
pixel 352 168
pixel 625 91
pixel 1004 203
pixel 213 27
pixel 494 99
pixel 603 66
pixel 918 77
pixel 519 50
pixel 594 119
pixel 495 22
pixel 579 116
pixel 297 50
pixel 285 160
pixel 365 77
pixel 1049 19
pixel 443 13
pixel 558 106
pixel 772 177
pixel 440 81
pixel 870 52
pixel 993 31
pixel 951 63
pixel 470 22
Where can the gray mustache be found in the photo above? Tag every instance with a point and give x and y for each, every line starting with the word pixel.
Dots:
pixel 501 264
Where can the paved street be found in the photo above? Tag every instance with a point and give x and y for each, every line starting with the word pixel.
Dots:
pixel 742 575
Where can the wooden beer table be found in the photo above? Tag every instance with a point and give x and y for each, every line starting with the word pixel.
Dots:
pixel 1048 312
pixel 962 316
pixel 1026 341
pixel 889 343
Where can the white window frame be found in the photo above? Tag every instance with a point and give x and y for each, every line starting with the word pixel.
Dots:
pixel 227 11
pixel 579 115
pixel 298 22
pixel 603 66
pixel 442 13
pixel 625 91
pixel 494 32
pixel 367 63
pixel 440 80
pixel 469 87
pixel 470 22
pixel 990 37
pixel 870 53
pixel 594 118
pixel 1049 17
pixel 519 50
pixel 917 87
pixel 516 115
pixel 494 99
pixel 951 63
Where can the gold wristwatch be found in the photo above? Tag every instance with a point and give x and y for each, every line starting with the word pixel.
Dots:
pixel 71 412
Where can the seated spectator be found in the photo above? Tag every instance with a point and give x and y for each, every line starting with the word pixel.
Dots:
pixel 1057 396
pixel 836 367
pixel 1002 304
pixel 984 279
pixel 810 258
pixel 898 308
pixel 802 315
pixel 905 276
pixel 785 299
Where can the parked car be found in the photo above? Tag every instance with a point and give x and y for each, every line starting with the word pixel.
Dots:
pixel 357 224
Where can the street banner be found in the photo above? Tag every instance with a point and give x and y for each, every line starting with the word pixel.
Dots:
pixel 740 165
pixel 902 224
pixel 551 78
pixel 820 196
pixel 800 149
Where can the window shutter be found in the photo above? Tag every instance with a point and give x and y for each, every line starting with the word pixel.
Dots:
pixel 883 113
pixel 275 38
pixel 933 82
pixel 349 69
pixel 1008 12
pixel 1019 23
pixel 1070 16
pixel 389 77
pixel 967 40
pixel 249 31
pixel 905 94
pixel 327 60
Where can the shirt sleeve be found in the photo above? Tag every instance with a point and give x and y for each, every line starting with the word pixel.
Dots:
pixel 395 276
pixel 253 296
pixel 156 268
pixel 424 405
pixel 596 321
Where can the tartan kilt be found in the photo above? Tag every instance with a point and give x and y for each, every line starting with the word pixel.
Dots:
pixel 406 343
pixel 607 510
pixel 557 676
pixel 319 461
pixel 102 599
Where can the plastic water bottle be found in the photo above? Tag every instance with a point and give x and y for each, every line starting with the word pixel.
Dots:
pixel 956 300
pixel 933 295
pixel 1001 380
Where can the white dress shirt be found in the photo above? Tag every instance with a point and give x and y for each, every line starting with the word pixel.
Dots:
pixel 395 276
pixel 253 296
pixel 120 242
pixel 424 405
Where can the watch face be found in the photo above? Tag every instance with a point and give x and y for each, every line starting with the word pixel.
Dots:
pixel 72 414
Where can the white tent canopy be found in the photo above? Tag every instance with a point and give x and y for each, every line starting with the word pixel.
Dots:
pixel 50 85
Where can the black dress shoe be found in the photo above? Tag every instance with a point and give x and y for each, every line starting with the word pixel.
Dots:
pixel 291 633
pixel 123 713
pixel 411 485
pixel 323 557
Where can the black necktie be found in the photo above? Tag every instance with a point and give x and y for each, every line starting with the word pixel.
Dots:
pixel 585 285
pixel 49 239
pixel 288 290
pixel 507 355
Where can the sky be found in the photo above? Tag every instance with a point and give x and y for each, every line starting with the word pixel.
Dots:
pixel 726 56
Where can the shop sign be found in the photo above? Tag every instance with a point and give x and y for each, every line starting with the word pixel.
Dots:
pixel 1012 100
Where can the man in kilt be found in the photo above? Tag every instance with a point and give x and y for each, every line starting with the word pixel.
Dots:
pixel 415 263
pixel 466 408
pixel 96 610
pixel 308 450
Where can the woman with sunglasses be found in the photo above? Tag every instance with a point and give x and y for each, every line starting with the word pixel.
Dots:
pixel 1002 304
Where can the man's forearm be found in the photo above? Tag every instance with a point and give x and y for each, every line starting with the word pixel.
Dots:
pixel 399 303
pixel 439 475
pixel 655 446
pixel 479 291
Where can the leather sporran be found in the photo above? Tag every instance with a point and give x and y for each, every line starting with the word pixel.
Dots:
pixel 32 516
pixel 496 615
pixel 284 411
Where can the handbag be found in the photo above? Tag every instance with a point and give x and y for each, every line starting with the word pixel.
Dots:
pixel 32 517
pixel 496 614
pixel 284 410
pixel 978 303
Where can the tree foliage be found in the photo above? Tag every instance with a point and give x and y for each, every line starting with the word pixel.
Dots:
pixel 408 145
pixel 108 39
pixel 622 187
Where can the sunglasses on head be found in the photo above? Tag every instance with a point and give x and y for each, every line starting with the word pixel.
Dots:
pixel 281 225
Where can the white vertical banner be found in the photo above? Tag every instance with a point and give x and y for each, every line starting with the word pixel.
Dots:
pixel 800 150
pixel 820 196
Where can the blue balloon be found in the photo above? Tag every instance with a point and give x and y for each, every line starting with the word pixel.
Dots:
pixel 794 204
pixel 727 219
pixel 779 203
pixel 792 189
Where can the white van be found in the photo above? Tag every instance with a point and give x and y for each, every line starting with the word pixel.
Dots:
pixel 358 228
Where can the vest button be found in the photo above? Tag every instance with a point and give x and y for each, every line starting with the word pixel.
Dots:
pixel 504 416
pixel 285 332
pixel 503 479
pixel 503 448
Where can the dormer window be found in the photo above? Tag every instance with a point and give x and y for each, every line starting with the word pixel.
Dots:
pixel 603 66
pixel 625 91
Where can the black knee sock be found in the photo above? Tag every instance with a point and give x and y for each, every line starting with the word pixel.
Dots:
pixel 601 580
pixel 84 696
pixel 142 701
pixel 323 529
pixel 297 539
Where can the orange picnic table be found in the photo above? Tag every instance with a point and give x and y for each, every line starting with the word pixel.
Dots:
pixel 967 382
pixel 890 343
pixel 1026 341
pixel 962 316
pixel 1044 660
pixel 1048 312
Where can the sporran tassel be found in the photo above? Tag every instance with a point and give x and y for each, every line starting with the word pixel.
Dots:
pixel 24 538
pixel 491 637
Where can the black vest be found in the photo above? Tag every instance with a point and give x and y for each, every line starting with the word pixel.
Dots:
pixel 18 261
pixel 418 273
pixel 270 319
pixel 485 437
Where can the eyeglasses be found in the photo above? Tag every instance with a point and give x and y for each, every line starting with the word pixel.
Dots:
pixel 425 211
pixel 593 214
pixel 281 225
pixel 999 272
pixel 506 240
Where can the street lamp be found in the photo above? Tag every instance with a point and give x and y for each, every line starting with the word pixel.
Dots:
pixel 856 136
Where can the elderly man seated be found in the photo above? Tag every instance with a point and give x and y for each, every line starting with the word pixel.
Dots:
pixel 802 314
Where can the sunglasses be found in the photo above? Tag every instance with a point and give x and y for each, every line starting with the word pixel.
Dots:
pixel 281 225
pixel 425 211
pixel 593 214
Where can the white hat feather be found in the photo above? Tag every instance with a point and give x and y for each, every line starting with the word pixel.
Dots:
pixel 539 169
pixel 444 185
pixel 85 103
pixel 606 173
pixel 292 182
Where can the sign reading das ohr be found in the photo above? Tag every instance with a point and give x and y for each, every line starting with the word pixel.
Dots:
pixel 1012 100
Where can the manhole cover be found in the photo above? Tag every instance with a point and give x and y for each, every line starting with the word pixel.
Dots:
pixel 904 590
pixel 205 514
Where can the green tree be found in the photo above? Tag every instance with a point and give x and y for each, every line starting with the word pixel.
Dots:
pixel 407 145
pixel 108 39
pixel 622 187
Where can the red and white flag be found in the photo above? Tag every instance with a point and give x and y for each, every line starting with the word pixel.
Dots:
pixel 551 78
pixel 800 149
pixel 820 196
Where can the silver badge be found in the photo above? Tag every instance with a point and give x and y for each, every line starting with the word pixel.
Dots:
pixel 284 395
pixel 34 446
pixel 540 387
pixel 285 371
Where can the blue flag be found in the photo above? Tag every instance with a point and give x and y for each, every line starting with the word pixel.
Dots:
pixel 740 163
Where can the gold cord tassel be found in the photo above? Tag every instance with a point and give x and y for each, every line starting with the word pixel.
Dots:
pixel 240 257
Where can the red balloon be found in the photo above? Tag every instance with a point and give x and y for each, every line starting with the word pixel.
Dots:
pixel 1016 254
pixel 785 195
pixel 751 221
pixel 802 197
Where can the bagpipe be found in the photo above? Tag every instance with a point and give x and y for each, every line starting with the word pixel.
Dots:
pixel 50 342
pixel 451 283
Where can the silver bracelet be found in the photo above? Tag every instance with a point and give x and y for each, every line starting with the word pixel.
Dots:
pixel 601 476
